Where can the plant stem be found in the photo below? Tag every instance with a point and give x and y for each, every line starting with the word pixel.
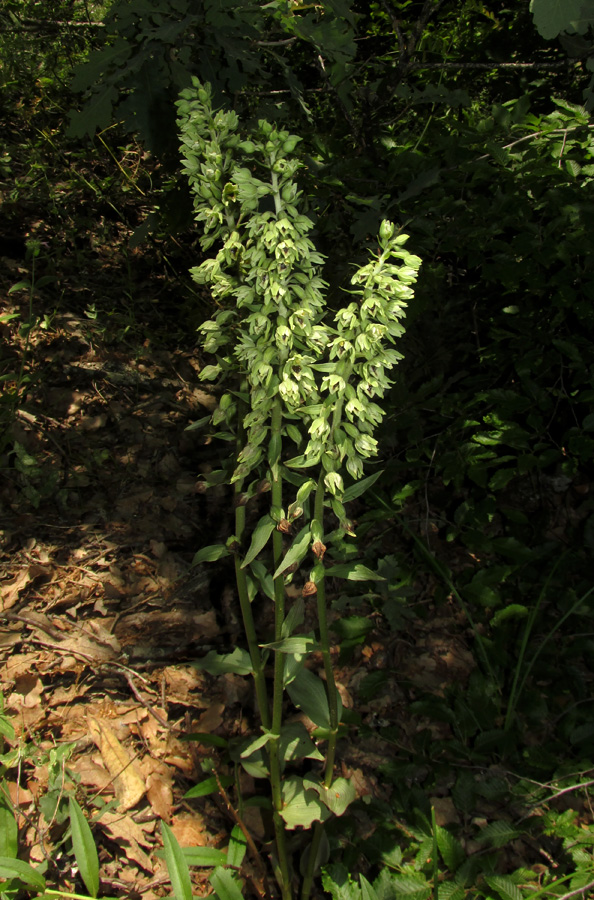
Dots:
pixel 331 693
pixel 276 500
pixel 242 588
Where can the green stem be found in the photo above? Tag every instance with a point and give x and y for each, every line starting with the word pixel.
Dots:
pixel 242 588
pixel 276 499
pixel 331 693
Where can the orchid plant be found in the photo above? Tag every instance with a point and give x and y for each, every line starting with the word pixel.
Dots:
pixel 299 387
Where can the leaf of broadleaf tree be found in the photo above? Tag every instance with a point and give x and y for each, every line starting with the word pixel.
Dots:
pixel 451 849
pixel 368 891
pixel 83 844
pixel 551 17
pixel 504 886
pixel 339 884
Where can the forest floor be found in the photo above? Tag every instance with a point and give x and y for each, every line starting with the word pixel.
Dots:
pixel 102 512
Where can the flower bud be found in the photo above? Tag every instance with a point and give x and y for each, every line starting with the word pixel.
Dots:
pixel 386 230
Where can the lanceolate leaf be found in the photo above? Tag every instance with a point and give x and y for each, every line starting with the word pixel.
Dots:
pixel 225 885
pixel 260 537
pixel 85 851
pixel 299 644
pixel 8 825
pixel 208 786
pixel 308 693
pixel 353 572
pixel 210 554
pixel 296 552
pixel 359 488
pixel 204 856
pixel 15 868
pixel 236 663
pixel 237 847
pixel 176 865
pixel 294 619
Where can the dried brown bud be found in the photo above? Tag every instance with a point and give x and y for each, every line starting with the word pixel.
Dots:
pixel 263 487
pixel 284 525
pixel 309 589
pixel 318 549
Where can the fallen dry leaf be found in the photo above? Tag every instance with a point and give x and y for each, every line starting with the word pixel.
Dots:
pixel 190 830
pixel 160 795
pixel 211 719
pixel 445 811
pixel 27 692
pixel 18 664
pixel 125 832
pixel 128 783
pixel 9 591
pixel 90 773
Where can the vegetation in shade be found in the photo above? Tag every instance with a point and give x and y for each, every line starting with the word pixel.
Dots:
pixel 290 377
pixel 467 126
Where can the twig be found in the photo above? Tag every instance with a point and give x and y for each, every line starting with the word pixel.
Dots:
pixel 146 705
pixel 250 841
pixel 578 891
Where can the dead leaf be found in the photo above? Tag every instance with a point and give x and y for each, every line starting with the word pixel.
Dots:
pixel 211 719
pixel 29 687
pixel 128 783
pixel 129 836
pixel 90 773
pixel 18 664
pixel 80 643
pixel 9 591
pixel 190 830
pixel 445 811
pixel 160 795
